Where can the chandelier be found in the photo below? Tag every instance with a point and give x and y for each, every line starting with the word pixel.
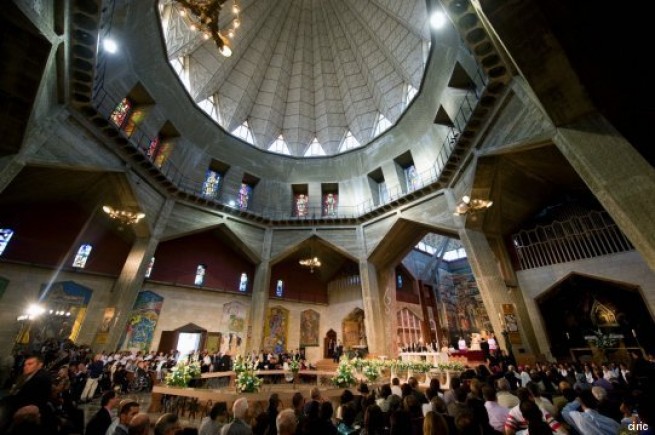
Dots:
pixel 471 206
pixel 202 15
pixel 124 217
pixel 311 262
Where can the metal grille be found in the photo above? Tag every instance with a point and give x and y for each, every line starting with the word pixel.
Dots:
pixel 583 236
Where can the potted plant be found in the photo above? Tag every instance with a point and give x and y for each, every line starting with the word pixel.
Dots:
pixel 344 378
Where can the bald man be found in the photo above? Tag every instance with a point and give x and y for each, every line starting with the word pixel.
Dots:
pixel 140 424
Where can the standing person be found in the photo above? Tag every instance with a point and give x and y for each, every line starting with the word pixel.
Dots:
pixel 125 414
pixel 238 425
pixel 338 351
pixel 101 420
pixel 33 387
pixel 214 422
pixel 94 371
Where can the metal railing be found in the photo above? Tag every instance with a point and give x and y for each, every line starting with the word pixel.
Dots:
pixel 577 238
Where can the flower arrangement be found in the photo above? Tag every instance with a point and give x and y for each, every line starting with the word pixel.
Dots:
pixel 294 364
pixel 358 363
pixel 603 340
pixel 344 377
pixel 451 367
pixel 247 381
pixel 185 370
pixel 240 364
pixel 371 372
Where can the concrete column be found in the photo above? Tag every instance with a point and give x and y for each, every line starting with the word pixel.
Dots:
pixel 621 179
pixel 259 301
pixel 130 281
pixel 493 289
pixel 376 309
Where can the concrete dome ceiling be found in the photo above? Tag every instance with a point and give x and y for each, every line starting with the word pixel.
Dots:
pixel 306 69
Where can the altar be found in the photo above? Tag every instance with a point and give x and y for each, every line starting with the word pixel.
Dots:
pixel 432 357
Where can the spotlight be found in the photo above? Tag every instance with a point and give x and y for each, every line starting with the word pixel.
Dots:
pixel 437 20
pixel 109 45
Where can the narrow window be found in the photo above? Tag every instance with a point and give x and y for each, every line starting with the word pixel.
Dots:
pixel 200 275
pixel 5 236
pixel 82 255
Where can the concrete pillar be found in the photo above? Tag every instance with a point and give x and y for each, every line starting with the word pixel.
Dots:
pixel 259 301
pixel 130 281
pixel 621 179
pixel 493 288
pixel 377 310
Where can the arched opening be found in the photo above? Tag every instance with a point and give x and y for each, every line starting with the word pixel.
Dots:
pixel 581 306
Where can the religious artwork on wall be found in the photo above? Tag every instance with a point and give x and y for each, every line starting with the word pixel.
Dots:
pixel 275 330
pixel 354 331
pixel 71 300
pixel 105 324
pixel 330 204
pixel 234 317
pixel 302 208
pixel 143 320
pixel 602 315
pixel 461 302
pixel 309 323
pixel 510 323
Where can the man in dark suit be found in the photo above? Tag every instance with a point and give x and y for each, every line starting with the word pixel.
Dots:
pixel 33 387
pixel 101 420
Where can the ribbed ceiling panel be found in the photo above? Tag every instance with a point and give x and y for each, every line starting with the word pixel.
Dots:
pixel 307 68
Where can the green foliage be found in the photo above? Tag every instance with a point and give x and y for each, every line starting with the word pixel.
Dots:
pixel 183 372
pixel 344 377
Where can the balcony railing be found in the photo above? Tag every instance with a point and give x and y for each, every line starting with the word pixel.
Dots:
pixel 577 238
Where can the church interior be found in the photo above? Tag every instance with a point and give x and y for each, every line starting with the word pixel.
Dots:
pixel 349 172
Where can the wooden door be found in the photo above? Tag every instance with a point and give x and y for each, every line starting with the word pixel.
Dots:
pixel 329 344
pixel 168 341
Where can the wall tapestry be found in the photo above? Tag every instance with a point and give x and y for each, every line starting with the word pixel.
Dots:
pixel 309 322
pixel 143 320
pixel 232 327
pixel 275 330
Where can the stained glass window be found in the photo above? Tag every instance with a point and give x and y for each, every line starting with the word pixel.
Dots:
pixel 163 154
pixel 153 146
pixel 121 113
pixel 412 178
pixel 133 121
pixel 279 288
pixel 302 202
pixel 151 264
pixel 211 183
pixel 244 195
pixel 330 203
pixel 200 275
pixel 82 255
pixel 243 282
pixel 5 236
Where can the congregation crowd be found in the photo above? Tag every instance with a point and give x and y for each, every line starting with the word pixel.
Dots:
pixel 494 398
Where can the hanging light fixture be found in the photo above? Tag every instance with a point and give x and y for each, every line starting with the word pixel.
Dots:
pixel 203 15
pixel 312 262
pixel 471 206
pixel 124 217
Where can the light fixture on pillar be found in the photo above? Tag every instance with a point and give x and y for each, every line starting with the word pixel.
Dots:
pixel 123 217
pixel 203 15
pixel 471 206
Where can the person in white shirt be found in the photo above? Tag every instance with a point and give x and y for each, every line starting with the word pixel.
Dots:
pixel 581 414
pixel 461 344
pixel 497 414
pixel 493 344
